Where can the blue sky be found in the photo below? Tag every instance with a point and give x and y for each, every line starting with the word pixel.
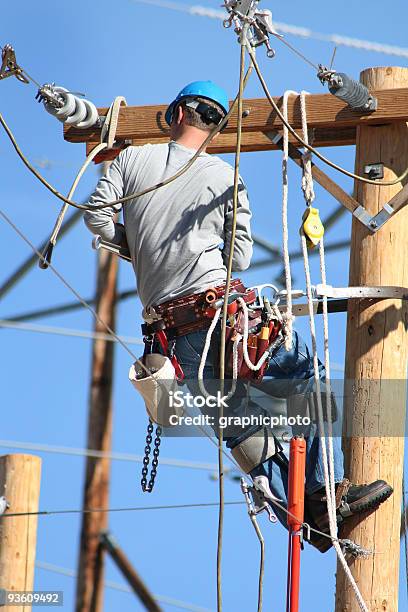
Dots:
pixel 147 54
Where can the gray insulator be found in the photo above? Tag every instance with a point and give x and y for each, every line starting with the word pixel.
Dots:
pixel 354 93
pixel 79 114
pixel 65 111
pixel 75 111
pixel 91 118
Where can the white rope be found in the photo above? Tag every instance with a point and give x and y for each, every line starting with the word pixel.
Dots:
pixel 328 458
pixel 204 355
pixel 309 195
pixel 307 177
pixel 285 190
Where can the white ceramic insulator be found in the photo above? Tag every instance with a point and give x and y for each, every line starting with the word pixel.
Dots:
pixel 79 114
pixel 67 109
pixel 91 118
pixel 75 111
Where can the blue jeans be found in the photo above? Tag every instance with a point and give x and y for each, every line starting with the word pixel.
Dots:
pixel 289 373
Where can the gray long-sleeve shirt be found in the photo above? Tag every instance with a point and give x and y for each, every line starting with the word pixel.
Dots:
pixel 178 235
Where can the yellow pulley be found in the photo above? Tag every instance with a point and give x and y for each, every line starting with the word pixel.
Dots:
pixel 312 226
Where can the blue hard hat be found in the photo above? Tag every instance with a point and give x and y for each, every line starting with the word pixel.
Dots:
pixel 202 89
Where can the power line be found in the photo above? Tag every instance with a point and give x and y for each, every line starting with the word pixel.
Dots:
pixel 64 331
pixel 68 286
pixel 115 456
pixel 299 31
pixel 114 510
pixel 117 586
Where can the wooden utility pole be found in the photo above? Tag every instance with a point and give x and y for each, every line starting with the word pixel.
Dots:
pixel 89 597
pixel 20 484
pixel 376 361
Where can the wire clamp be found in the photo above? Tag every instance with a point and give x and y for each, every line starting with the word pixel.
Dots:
pixel 354 550
pixel 246 12
pixel 9 66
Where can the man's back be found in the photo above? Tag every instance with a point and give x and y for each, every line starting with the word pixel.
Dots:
pixel 174 233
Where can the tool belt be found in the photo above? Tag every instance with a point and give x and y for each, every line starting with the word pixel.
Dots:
pixel 196 312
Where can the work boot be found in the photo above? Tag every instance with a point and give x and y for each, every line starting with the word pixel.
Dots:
pixel 351 500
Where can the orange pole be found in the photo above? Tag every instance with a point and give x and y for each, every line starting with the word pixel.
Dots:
pixel 296 501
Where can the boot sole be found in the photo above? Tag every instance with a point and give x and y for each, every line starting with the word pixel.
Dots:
pixel 372 501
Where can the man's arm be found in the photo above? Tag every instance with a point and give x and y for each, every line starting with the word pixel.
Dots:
pixel 243 241
pixel 109 188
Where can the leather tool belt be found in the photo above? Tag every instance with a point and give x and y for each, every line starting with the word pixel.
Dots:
pixel 194 312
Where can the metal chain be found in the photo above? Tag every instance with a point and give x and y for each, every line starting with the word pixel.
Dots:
pixel 148 487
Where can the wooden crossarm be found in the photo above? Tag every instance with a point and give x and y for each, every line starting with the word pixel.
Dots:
pixel 334 122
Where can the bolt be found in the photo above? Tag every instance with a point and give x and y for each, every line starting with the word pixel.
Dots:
pixel 373 224
pixel 246 113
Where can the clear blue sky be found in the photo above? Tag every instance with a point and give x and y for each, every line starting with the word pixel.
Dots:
pixel 147 54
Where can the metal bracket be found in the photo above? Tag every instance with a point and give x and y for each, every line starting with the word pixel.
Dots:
pixel 9 66
pixel 382 293
pixel 374 223
pixel 374 171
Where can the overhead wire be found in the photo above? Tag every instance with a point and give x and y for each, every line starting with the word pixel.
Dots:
pixel 8 515
pixel 117 586
pixel 64 331
pixel 77 295
pixel 113 456
pixel 298 31
pixel 131 196
pixel 309 147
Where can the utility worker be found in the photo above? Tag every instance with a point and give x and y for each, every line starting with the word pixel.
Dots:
pixel 179 238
